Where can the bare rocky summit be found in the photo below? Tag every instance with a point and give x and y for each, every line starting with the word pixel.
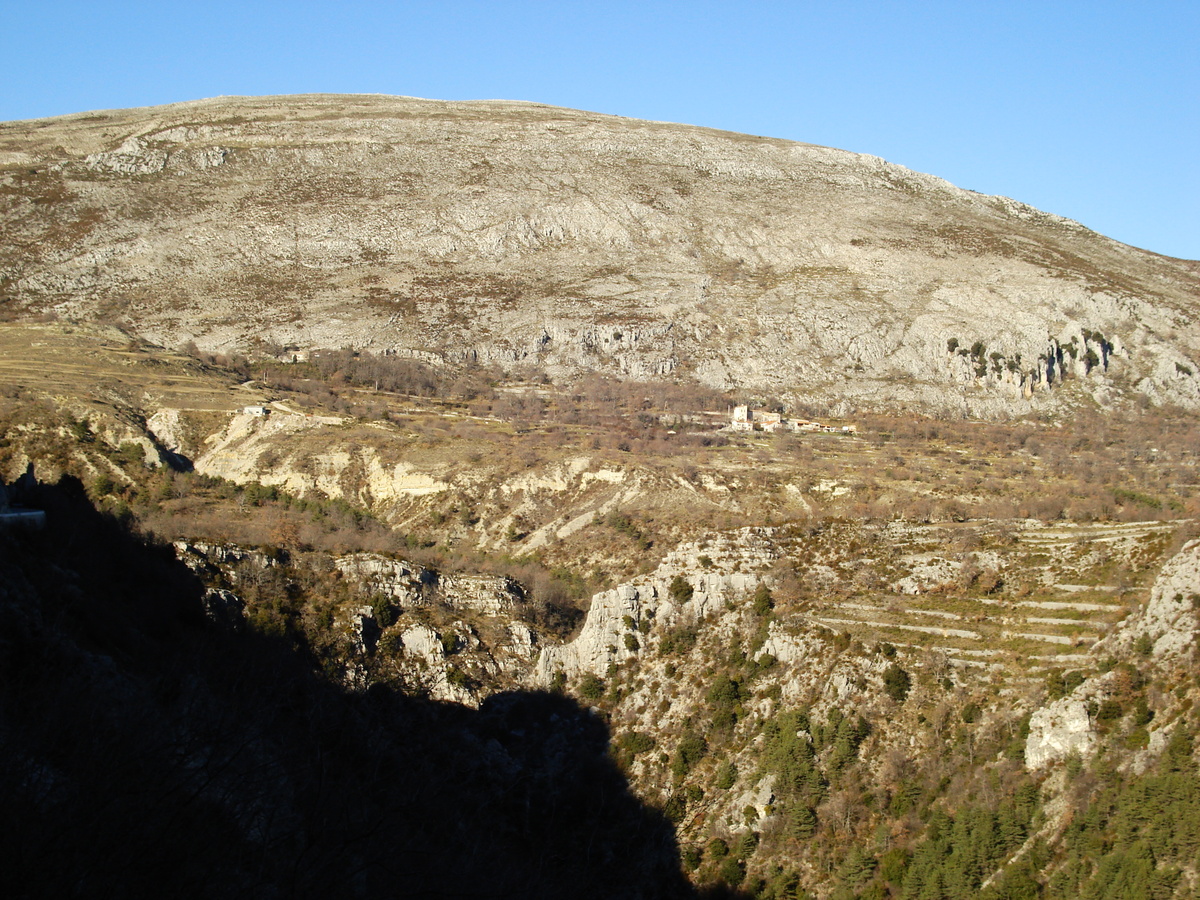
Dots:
pixel 565 241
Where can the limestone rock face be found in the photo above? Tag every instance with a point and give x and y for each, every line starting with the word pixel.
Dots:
pixel 410 585
pixel 224 607
pixel 133 157
pixel 423 642
pixel 525 235
pixel 1170 617
pixel 492 595
pixel 391 577
pixel 705 568
pixel 927 574
pixel 522 641
pixel 1058 730
pixel 601 640
pixel 198 555
pixel 167 428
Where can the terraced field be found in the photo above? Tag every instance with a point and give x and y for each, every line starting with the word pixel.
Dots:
pixel 1042 598
pixel 97 363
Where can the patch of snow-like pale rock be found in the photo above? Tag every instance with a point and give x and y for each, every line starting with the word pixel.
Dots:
pixel 601 641
pixel 422 642
pixel 378 574
pixel 167 427
pixel 198 555
pixel 927 574
pixel 237 454
pixel 491 595
pixel 759 798
pixel 1170 617
pixel 383 483
pixel 789 649
pixel 132 157
pixel 523 640
pixel 233 454
pixel 1058 730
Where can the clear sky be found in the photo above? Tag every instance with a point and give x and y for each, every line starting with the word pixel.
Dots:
pixel 1090 110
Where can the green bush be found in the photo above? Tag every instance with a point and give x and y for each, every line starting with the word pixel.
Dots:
pixel 692 748
pixel 679 639
pixel 801 823
pixel 591 687
pixel 680 591
pixel 717 849
pixel 102 485
pixel 635 742
pixel 383 611
pixel 724 718
pixel 626 526
pixel 897 683
pixel 732 872
pixel 763 602
pixel 674 809
pixel 746 844
pixel 1109 711
pixel 1059 683
pixel 764 662
pixel 724 692
pixel 1142 713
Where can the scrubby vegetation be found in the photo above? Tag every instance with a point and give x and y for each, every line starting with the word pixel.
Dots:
pixel 149 752
pixel 894 770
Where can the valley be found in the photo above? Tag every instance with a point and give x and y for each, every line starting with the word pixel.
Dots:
pixel 936 582
pixel 389 444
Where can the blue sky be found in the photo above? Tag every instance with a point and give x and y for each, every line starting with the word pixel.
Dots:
pixel 1089 110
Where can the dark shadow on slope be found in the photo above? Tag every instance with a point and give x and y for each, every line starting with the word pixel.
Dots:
pixel 146 751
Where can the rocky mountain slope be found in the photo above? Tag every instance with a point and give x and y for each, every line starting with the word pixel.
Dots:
pixel 456 612
pixel 565 242
pixel 847 710
pixel 932 658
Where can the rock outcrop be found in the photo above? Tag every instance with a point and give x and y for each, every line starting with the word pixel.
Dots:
pixel 693 581
pixel 1059 730
pixel 411 585
pixel 1170 617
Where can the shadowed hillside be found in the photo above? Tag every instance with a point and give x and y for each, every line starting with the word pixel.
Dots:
pixel 146 750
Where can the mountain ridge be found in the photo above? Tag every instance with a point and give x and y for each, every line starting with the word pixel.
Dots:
pixel 546 239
